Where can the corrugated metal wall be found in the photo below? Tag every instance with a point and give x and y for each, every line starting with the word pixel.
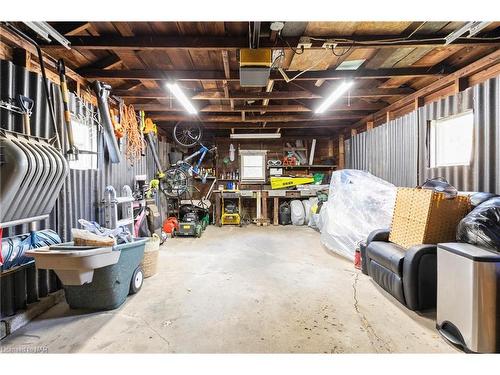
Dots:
pixel 483 174
pixel 397 151
pixel 389 151
pixel 83 189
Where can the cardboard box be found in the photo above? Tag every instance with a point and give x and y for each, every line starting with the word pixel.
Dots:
pixel 423 216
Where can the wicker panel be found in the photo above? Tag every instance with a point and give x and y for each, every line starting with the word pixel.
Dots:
pixel 422 216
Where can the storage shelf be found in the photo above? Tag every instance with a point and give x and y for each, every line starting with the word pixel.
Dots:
pixel 313 166
pixel 208 178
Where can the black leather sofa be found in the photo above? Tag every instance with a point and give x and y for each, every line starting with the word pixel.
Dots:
pixel 408 275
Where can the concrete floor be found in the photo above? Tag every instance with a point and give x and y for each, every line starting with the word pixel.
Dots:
pixel 247 290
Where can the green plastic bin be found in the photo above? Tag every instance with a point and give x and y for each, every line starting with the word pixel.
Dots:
pixel 110 285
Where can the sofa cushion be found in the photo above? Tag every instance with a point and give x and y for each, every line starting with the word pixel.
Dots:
pixel 387 254
pixel 387 279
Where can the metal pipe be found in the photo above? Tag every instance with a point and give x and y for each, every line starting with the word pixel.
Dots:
pixel 22 221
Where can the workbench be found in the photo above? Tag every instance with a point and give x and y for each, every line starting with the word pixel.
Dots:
pixel 261 196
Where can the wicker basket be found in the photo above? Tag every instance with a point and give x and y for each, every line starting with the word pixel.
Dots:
pixel 151 252
pixel 83 237
pixel 423 216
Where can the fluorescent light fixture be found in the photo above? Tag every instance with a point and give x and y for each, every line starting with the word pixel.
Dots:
pixel 181 97
pixel 256 136
pixel 337 93
pixel 46 31
pixel 471 27
pixel 350 65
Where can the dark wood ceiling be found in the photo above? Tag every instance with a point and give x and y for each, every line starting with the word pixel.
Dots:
pixel 136 58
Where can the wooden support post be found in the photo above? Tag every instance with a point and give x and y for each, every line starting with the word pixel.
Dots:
pixel 369 125
pixel 218 197
pixel 259 205
pixel 388 116
pixel 460 84
pixel 21 57
pixel 264 207
pixel 330 148
pixel 353 132
pixel 419 102
pixel 341 161
pixel 276 205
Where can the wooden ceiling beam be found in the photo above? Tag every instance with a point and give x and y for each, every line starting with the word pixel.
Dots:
pixel 361 106
pixel 270 125
pixel 69 29
pixel 213 42
pixel 215 75
pixel 479 65
pixel 259 118
pixel 108 62
pixel 227 73
pixel 275 95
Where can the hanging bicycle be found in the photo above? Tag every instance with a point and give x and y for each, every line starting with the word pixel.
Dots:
pixel 177 179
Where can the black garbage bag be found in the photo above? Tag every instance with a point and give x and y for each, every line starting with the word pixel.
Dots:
pixel 478 198
pixel 285 213
pixel 440 185
pixel 481 226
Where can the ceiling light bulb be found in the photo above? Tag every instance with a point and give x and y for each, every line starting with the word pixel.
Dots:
pixel 337 93
pixel 181 97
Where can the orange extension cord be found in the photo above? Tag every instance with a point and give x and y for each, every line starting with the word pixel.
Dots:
pixel 134 141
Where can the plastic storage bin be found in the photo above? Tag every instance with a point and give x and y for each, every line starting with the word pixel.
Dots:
pixel 95 278
pixel 111 284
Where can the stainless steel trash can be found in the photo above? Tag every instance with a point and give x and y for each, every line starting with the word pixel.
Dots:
pixel 468 297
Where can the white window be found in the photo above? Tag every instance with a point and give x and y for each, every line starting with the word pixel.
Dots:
pixel 253 166
pixel 85 137
pixel 451 140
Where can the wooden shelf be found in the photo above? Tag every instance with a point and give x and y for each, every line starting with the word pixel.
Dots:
pixel 313 166
pixel 228 179
pixel 208 178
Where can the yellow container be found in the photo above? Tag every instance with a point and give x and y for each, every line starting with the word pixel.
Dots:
pixel 255 57
pixel 285 182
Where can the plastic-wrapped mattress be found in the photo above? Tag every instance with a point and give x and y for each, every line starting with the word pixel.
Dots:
pixel 358 203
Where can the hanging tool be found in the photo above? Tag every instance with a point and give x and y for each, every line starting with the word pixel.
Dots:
pixel 72 150
pixel 117 126
pixel 102 91
pixel 48 95
pixel 142 117
pixel 149 130
pixel 26 106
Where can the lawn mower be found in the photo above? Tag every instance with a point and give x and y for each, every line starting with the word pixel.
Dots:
pixel 194 221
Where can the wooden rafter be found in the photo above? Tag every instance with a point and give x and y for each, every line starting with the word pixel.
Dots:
pixel 71 28
pixel 227 74
pixel 275 95
pixel 359 106
pixel 481 64
pixel 258 118
pixel 271 125
pixel 155 42
pixel 216 75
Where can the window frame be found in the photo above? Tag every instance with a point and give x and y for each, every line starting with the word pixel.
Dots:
pixel 93 130
pixel 433 140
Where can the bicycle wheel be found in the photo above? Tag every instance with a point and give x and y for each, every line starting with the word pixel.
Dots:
pixel 175 183
pixel 187 135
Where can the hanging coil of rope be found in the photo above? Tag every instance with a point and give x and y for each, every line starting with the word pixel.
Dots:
pixel 134 144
